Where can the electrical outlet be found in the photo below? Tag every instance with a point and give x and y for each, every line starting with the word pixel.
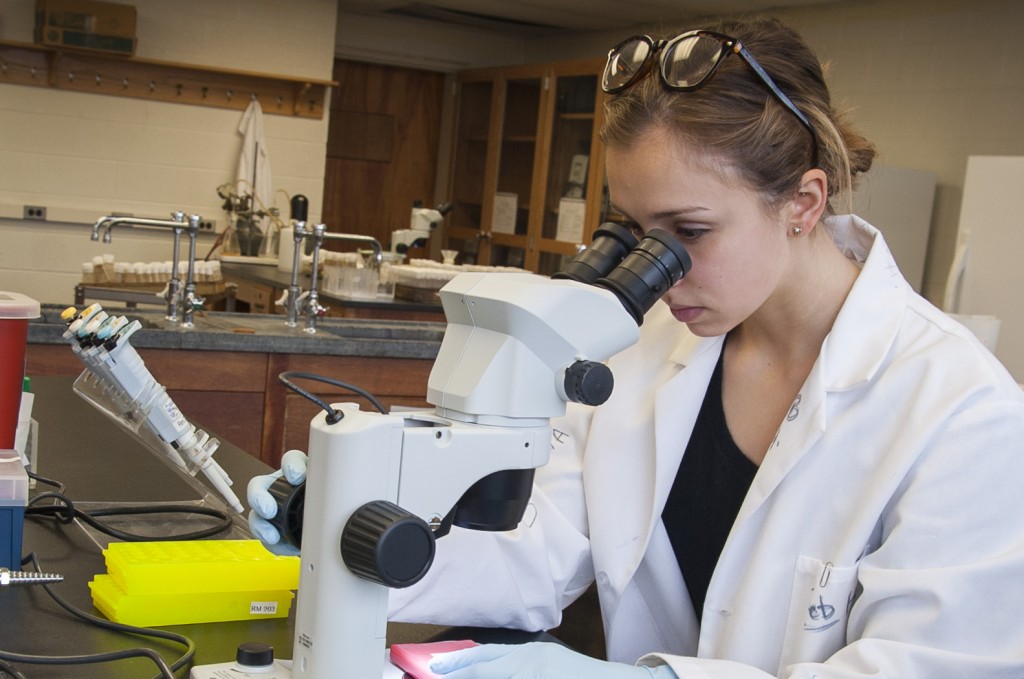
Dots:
pixel 208 225
pixel 35 212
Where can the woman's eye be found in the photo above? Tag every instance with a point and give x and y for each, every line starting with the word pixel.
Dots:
pixel 685 233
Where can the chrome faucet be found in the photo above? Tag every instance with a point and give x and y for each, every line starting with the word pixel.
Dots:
pixel 308 303
pixel 189 302
pixel 293 298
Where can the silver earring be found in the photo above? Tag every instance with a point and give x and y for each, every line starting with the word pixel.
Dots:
pixel 797 231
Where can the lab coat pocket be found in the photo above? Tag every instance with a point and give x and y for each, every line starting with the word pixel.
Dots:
pixel 819 610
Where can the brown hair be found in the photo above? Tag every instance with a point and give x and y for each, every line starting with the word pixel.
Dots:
pixel 735 117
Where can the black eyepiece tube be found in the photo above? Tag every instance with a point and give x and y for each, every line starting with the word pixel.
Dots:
pixel 647 272
pixel 496 502
pixel 611 242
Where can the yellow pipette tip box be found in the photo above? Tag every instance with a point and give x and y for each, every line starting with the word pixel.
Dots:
pixel 151 610
pixel 181 582
pixel 173 567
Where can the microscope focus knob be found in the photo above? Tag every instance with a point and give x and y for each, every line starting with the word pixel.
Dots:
pixel 588 382
pixel 386 544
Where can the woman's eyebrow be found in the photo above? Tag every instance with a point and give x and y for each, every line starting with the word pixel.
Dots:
pixel 664 214
pixel 679 212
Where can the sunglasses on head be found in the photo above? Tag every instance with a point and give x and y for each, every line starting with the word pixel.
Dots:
pixel 687 62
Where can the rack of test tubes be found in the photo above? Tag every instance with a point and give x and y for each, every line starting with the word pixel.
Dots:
pixel 117 382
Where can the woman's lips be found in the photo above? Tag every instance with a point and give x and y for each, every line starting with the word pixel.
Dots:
pixel 687 314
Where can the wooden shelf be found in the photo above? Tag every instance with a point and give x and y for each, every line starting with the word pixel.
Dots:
pixel 36 65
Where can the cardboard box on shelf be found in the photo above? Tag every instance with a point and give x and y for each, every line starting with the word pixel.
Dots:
pixel 86 25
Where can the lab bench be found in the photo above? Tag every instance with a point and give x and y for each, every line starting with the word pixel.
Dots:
pixel 224 371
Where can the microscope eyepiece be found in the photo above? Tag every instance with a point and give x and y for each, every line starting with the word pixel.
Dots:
pixel 610 244
pixel 647 272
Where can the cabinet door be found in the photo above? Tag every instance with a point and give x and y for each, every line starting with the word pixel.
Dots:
pixel 473 154
pixel 573 170
pixel 498 135
pixel 517 195
pixel 528 191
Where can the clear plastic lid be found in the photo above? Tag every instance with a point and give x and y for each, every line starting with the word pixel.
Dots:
pixel 13 480
pixel 16 305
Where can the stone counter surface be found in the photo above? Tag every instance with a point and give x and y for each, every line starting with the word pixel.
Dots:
pixel 264 333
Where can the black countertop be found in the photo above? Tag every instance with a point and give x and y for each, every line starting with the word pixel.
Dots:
pixel 265 333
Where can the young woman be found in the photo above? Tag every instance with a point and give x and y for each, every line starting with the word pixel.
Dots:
pixel 805 469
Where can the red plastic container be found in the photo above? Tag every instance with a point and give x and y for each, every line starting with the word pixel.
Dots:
pixel 15 312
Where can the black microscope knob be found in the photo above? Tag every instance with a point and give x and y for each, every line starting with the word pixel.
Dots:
pixel 255 654
pixel 386 544
pixel 291 501
pixel 588 382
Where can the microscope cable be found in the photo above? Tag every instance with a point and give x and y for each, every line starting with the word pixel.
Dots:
pixel 333 415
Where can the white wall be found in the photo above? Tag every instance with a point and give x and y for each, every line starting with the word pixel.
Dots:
pixel 992 228
pixel 83 155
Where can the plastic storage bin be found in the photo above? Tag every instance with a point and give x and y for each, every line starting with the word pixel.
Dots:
pixel 13 498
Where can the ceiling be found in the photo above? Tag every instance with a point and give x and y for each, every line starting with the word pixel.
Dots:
pixel 540 17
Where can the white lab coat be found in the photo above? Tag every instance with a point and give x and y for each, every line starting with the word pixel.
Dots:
pixel 883 535
pixel 254 161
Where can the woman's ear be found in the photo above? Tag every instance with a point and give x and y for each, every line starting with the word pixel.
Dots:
pixel 809 205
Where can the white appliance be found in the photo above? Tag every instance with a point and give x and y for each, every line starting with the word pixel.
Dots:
pixel 987 275
pixel 898 201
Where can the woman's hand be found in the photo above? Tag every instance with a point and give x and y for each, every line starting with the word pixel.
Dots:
pixel 264 506
pixel 538 660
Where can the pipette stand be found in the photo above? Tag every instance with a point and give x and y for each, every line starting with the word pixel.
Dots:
pixel 130 417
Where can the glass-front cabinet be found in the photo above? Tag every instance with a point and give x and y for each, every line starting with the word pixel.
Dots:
pixel 528 191
pixel 472 133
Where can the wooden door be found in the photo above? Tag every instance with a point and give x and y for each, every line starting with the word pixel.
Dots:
pixel 382 149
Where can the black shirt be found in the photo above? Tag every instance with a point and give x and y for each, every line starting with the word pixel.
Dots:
pixel 712 480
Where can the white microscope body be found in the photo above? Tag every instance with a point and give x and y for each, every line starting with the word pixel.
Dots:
pixel 421 222
pixel 517 347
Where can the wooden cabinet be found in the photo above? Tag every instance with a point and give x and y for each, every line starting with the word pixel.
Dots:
pixel 527 173
pixel 237 397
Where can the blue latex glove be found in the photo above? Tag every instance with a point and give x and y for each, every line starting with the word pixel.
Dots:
pixel 536 660
pixel 293 468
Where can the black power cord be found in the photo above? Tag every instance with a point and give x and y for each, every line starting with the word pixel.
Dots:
pixel 63 510
pixel 166 671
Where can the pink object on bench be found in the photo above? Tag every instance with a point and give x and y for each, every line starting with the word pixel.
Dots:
pixel 415 659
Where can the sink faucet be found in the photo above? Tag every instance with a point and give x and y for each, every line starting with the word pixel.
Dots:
pixel 308 303
pixel 189 302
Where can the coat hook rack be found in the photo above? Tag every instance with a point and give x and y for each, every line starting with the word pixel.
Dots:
pixel 160 81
